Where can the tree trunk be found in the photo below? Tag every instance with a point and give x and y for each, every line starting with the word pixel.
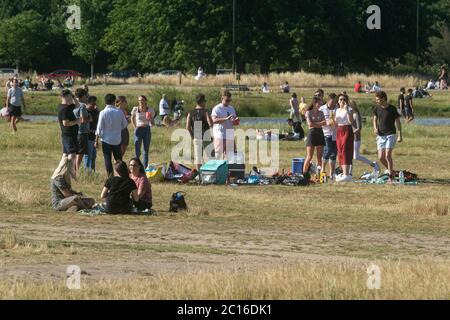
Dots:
pixel 92 70
pixel 17 67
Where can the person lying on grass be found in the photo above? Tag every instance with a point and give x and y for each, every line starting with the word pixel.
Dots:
pixel 119 191
pixel 64 198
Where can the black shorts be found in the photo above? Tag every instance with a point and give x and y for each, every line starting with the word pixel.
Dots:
pixel 83 139
pixel 70 144
pixel 14 111
pixel 125 137
pixel 315 138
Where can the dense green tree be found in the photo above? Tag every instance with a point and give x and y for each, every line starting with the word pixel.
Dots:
pixel 23 39
pixel 94 20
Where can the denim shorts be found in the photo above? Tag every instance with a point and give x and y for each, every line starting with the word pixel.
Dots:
pixel 330 150
pixel 386 142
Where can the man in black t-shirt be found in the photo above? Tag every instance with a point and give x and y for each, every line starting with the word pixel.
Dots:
pixel 68 123
pixel 386 123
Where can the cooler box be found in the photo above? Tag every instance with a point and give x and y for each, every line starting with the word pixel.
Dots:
pixel 297 165
pixel 214 172
pixel 236 166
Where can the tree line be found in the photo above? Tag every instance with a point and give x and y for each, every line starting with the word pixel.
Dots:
pixel 149 35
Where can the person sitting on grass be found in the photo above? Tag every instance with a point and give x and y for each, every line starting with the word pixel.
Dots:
pixel 298 132
pixel 144 188
pixel 64 198
pixel 265 88
pixel 285 88
pixel 119 191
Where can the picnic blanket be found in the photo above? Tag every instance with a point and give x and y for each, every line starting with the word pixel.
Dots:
pixel 99 209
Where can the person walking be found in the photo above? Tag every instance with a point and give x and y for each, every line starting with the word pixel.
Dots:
pixel 142 118
pixel 344 137
pixel 164 111
pixel 316 139
pixel 15 101
pixel 386 125
pixel 111 122
pixel 198 123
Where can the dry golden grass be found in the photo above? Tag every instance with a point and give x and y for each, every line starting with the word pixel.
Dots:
pixel 18 194
pixel 430 207
pixel 297 79
pixel 421 279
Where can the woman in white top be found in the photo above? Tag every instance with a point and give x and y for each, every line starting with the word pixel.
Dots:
pixel 345 137
pixel 142 117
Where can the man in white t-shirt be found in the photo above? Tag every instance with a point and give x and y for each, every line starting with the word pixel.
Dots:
pixel 329 131
pixel 164 109
pixel 224 118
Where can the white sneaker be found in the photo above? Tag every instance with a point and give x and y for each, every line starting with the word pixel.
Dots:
pixel 344 178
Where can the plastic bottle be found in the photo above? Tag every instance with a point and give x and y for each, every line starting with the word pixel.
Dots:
pixel 401 177
pixel 375 176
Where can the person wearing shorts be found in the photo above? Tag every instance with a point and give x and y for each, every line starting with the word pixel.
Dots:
pixel 15 101
pixel 386 125
pixel 329 131
pixel 198 123
pixel 315 140
pixel 68 124
pixel 409 108
pixel 224 118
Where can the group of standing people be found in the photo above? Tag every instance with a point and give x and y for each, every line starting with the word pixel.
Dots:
pixel 335 134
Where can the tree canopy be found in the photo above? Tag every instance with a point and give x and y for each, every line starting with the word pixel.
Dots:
pixel 149 35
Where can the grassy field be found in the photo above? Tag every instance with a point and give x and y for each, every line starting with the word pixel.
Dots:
pixel 234 243
pixel 251 104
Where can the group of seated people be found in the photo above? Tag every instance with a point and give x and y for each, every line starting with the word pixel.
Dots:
pixel 128 191
pixel 23 84
pixel 284 88
pixel 368 88
pixel 48 84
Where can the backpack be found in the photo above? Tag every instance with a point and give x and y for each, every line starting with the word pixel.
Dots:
pixel 177 202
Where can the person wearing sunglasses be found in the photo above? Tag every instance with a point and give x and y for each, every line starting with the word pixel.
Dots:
pixel 224 118
pixel 344 137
